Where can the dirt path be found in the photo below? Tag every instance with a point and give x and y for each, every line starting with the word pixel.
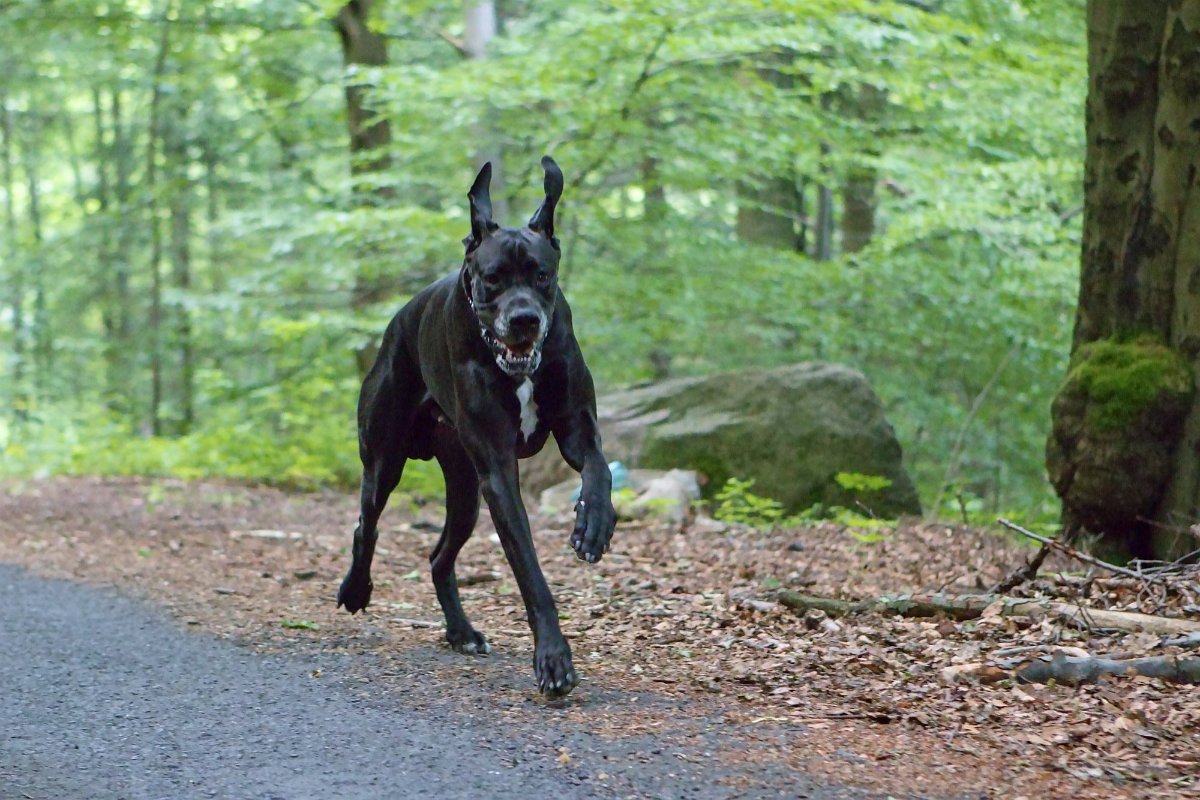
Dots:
pixel 107 698
pixel 685 682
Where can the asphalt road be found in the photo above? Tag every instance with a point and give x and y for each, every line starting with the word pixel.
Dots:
pixel 105 697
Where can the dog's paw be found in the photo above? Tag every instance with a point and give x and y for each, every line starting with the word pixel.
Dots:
pixel 355 593
pixel 468 641
pixel 553 669
pixel 595 520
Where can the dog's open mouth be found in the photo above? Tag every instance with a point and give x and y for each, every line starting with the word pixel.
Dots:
pixel 522 359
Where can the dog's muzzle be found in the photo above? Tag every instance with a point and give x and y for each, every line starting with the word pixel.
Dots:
pixel 511 362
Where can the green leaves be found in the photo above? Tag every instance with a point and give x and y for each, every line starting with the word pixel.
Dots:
pixel 660 114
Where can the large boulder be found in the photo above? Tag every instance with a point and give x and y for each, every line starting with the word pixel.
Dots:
pixel 792 430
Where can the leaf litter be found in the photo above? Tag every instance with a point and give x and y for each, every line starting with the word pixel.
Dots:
pixel 687 616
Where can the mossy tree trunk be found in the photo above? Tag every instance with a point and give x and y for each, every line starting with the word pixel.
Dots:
pixel 1139 286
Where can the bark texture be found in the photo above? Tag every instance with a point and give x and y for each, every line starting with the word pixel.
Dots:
pixel 370 136
pixel 1124 453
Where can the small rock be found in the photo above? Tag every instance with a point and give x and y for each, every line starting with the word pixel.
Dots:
pixel 304 574
pixel 813 618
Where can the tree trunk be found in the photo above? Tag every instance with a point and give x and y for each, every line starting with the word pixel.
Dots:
pixel 1124 452
pixel 479 28
pixel 122 148
pixel 865 104
pixel 823 244
pixel 156 239
pixel 175 152
pixel 43 340
pixel 16 266
pixel 768 205
pixel 114 376
pixel 767 213
pixel 370 136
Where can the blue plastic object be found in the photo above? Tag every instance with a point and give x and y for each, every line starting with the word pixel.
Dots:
pixel 620 478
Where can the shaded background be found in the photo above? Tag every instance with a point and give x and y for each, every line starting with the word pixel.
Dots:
pixel 196 264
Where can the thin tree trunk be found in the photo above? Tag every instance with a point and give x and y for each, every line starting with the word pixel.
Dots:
pixel 858 209
pixel 156 239
pixel 370 136
pixel 175 153
pixel 122 302
pixel 858 191
pixel 823 246
pixel 212 213
pixel 479 28
pixel 43 340
pixel 115 377
pixel 18 401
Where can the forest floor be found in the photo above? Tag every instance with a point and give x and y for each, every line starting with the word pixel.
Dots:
pixel 689 616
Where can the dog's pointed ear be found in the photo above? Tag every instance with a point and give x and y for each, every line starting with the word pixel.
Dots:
pixel 481 208
pixel 542 220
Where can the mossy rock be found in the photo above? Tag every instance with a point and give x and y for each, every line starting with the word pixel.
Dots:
pixel 790 429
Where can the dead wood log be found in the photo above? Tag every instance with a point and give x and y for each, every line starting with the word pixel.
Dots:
pixel 972 606
pixel 1073 670
pixel 960 607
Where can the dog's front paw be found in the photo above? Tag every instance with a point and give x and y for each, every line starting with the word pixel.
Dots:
pixel 553 669
pixel 355 592
pixel 595 520
pixel 468 640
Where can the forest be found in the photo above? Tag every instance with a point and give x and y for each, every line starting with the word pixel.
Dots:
pixel 955 241
pixel 212 209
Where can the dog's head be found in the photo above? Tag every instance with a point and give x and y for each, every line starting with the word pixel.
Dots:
pixel 511 274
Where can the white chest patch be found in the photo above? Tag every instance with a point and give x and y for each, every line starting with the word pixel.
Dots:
pixel 528 408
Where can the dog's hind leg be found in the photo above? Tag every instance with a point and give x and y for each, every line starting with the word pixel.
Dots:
pixel 462 511
pixel 385 412
pixel 379 478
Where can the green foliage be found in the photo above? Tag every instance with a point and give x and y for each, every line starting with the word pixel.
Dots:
pixel 1121 379
pixel 736 503
pixel 300 624
pixel 665 119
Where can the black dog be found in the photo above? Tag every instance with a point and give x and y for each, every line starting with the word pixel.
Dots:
pixel 477 370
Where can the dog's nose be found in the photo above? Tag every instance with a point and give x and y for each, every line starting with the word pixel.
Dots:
pixel 525 322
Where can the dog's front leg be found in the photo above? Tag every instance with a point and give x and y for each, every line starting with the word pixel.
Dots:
pixel 578 440
pixel 551 655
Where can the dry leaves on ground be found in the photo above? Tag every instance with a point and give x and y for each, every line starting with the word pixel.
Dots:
pixel 870 700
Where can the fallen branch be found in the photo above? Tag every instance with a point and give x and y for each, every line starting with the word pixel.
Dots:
pixel 1073 553
pixel 972 606
pixel 961 607
pixel 1073 670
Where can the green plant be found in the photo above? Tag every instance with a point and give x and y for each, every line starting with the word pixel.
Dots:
pixel 736 503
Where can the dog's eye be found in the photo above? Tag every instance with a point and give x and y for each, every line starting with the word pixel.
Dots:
pixel 491 280
pixel 543 277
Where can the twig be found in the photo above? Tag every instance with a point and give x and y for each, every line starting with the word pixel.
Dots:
pixel 415 623
pixel 972 412
pixel 1022 574
pixel 1076 554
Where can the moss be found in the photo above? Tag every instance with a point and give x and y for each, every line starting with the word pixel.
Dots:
pixel 1123 379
